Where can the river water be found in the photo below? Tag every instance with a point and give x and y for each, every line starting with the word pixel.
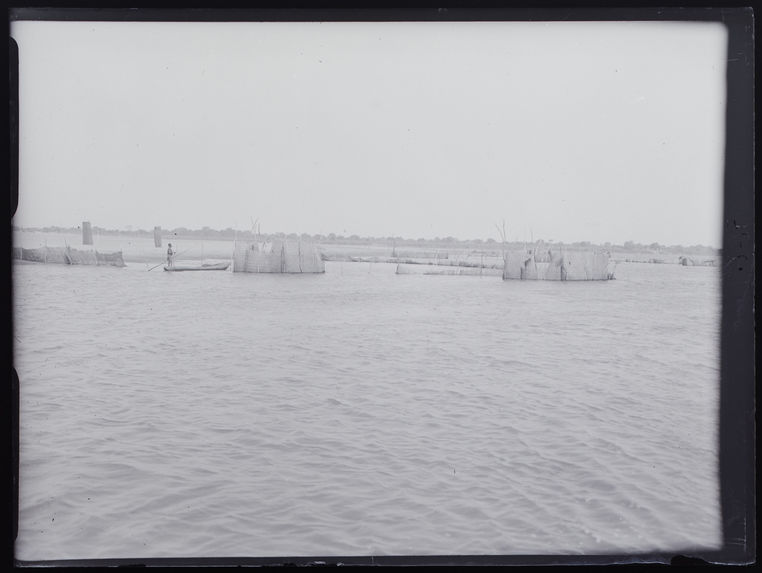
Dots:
pixel 359 412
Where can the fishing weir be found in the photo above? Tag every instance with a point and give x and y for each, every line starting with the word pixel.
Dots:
pixel 277 256
pixel 558 265
pixel 538 263
pixel 68 256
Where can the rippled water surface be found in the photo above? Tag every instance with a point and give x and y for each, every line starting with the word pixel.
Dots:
pixel 364 413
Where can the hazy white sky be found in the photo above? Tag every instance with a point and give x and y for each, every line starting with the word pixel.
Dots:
pixel 568 131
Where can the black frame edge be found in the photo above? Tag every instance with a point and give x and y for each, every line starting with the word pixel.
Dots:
pixel 737 391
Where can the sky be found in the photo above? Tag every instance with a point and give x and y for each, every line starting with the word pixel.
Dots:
pixel 583 131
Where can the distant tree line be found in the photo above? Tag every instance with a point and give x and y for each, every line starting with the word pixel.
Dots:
pixel 233 234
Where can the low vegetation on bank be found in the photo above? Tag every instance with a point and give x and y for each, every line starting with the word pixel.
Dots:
pixel 229 234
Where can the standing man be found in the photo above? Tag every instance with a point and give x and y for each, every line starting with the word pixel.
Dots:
pixel 170 256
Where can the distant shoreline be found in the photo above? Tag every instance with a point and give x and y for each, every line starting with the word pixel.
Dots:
pixel 142 249
pixel 206 234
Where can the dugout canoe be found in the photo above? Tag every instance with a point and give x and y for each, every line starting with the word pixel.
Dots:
pixel 203 267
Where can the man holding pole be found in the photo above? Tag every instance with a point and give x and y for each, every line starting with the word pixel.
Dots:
pixel 170 256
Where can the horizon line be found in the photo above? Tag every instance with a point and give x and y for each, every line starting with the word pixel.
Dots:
pixel 354 236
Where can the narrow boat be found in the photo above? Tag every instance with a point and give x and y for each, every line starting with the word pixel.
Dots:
pixel 202 267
